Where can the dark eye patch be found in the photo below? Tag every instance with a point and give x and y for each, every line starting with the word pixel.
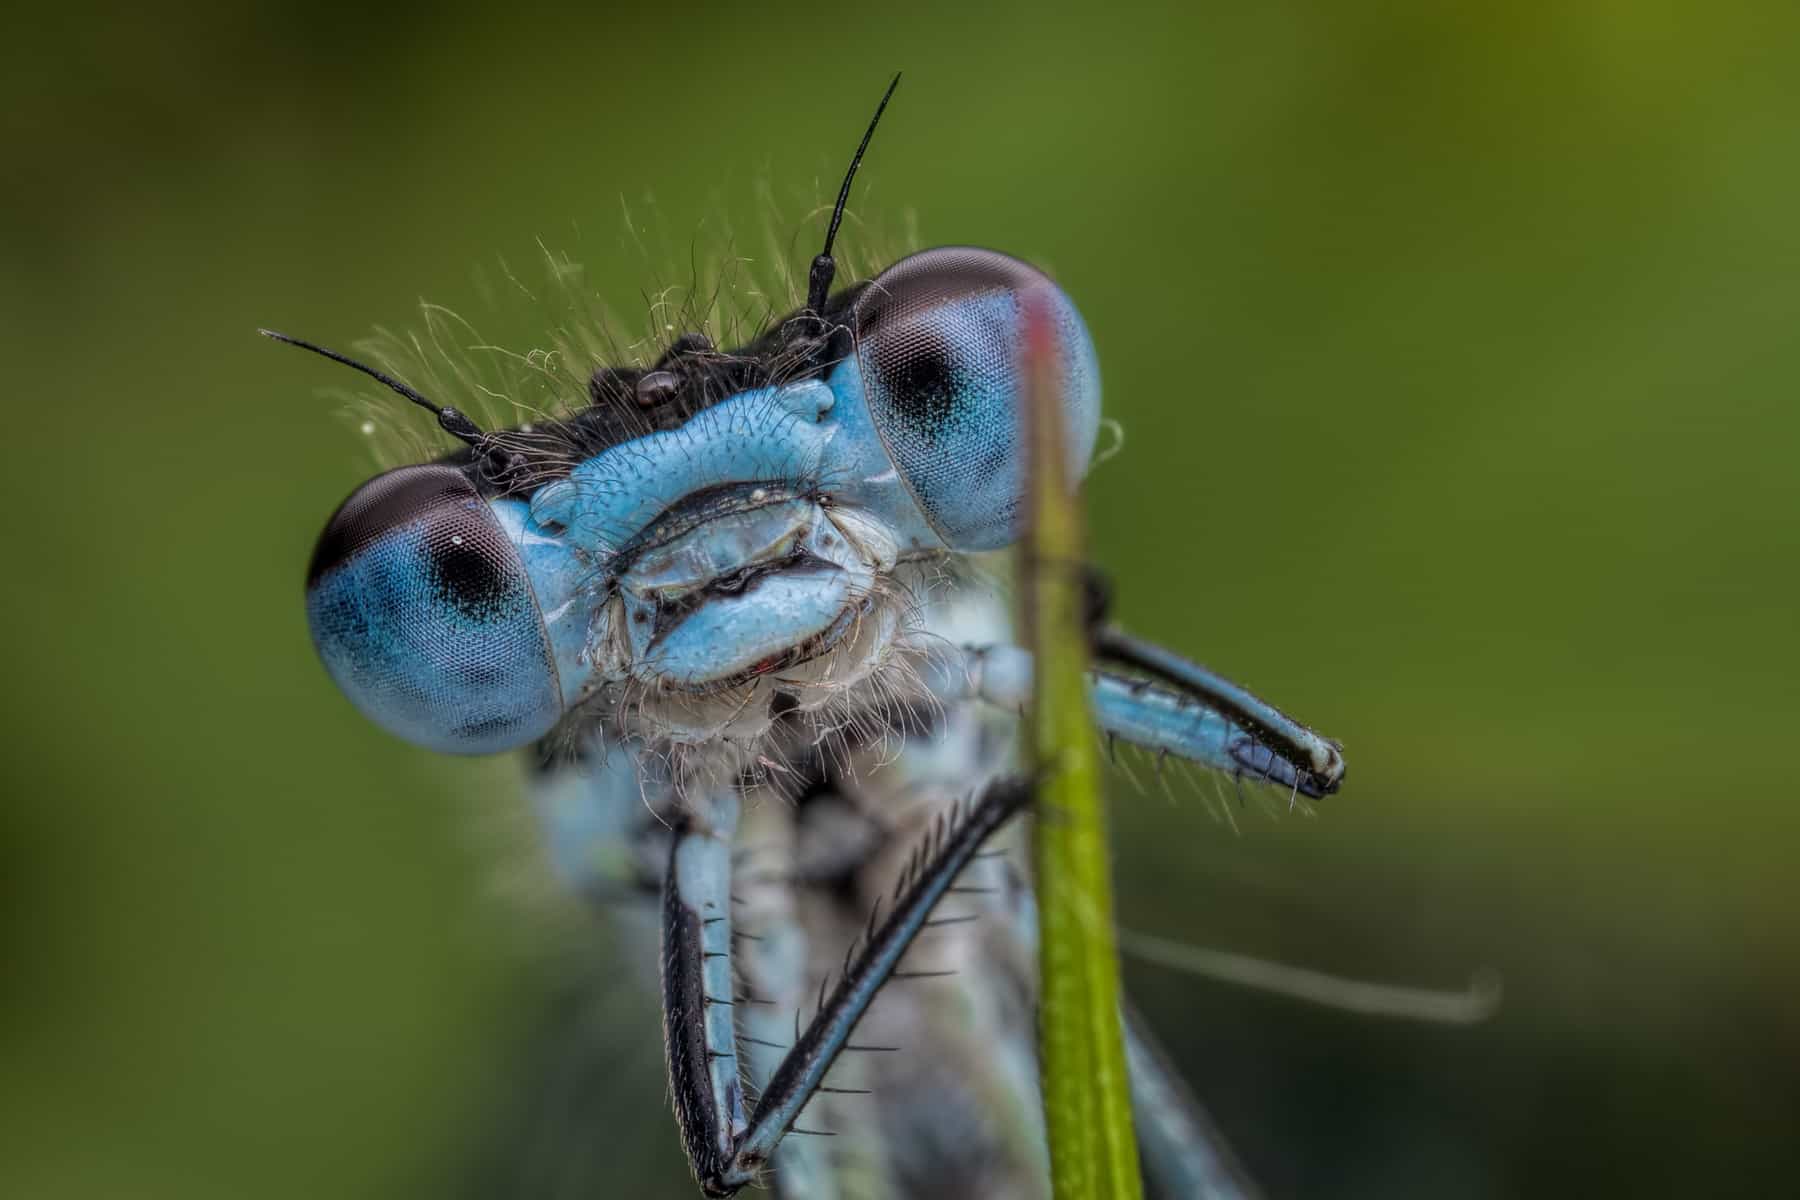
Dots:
pixel 926 384
pixel 938 351
pixel 466 574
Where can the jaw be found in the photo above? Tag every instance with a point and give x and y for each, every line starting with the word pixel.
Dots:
pixel 755 609
pixel 817 674
pixel 779 620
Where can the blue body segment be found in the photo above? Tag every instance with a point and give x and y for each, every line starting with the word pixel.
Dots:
pixel 585 817
pixel 771 435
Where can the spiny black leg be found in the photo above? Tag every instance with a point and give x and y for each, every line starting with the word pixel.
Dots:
pixel 699 1035
pixel 947 849
pixel 1286 738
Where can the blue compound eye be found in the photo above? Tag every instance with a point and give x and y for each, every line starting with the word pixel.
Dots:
pixel 425 617
pixel 937 338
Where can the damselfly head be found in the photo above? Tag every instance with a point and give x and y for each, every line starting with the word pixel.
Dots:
pixel 717 538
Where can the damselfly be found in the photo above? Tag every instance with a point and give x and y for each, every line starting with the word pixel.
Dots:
pixel 727 601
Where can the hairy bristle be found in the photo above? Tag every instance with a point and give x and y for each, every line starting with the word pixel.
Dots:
pixel 525 354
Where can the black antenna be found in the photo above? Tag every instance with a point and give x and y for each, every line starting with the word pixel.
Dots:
pixel 824 267
pixel 452 421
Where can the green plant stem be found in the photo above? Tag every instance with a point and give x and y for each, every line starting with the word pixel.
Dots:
pixel 1087 1099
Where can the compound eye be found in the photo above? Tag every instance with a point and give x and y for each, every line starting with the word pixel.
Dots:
pixel 423 614
pixel 938 339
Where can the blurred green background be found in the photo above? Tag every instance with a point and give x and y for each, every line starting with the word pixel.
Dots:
pixel 1455 348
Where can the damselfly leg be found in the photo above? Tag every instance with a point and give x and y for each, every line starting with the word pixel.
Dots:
pixel 726 1147
pixel 1197 716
